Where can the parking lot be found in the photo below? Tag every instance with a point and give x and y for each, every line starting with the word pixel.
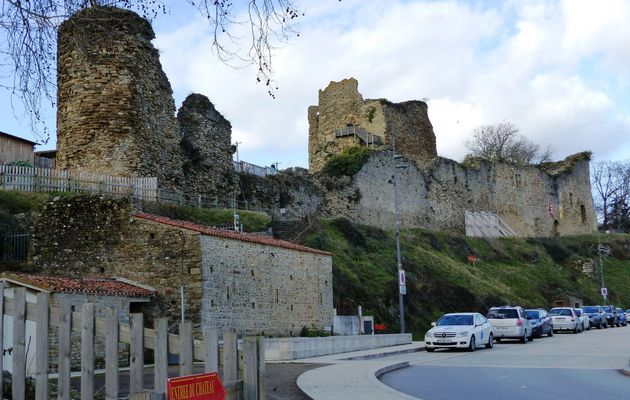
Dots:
pixel 565 366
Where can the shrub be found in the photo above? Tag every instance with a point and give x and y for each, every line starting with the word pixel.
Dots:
pixel 348 163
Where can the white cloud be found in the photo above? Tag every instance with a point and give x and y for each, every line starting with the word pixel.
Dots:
pixel 531 63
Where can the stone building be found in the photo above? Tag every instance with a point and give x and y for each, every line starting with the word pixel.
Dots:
pixel 124 296
pixel 342 119
pixel 207 147
pixel 115 109
pixel 249 283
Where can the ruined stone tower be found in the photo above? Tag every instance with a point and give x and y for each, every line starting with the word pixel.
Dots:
pixel 116 113
pixel 207 147
pixel 342 119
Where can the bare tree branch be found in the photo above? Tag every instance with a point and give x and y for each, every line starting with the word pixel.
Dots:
pixel 28 55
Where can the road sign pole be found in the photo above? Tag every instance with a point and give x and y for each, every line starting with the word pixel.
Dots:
pixel 401 305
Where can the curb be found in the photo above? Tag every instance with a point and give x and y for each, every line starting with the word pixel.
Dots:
pixel 386 354
pixel 379 372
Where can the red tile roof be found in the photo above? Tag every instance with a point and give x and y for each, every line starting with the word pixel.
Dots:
pixel 94 286
pixel 245 237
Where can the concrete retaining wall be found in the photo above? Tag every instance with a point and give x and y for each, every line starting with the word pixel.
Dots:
pixel 285 349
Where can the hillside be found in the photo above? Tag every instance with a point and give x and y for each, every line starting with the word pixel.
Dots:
pixel 532 272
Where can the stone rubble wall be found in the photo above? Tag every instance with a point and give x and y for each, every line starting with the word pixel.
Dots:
pixel 115 112
pixel 258 289
pixel 207 147
pixel 437 195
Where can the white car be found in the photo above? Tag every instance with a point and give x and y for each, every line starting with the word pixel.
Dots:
pixel 460 331
pixel 584 319
pixel 564 318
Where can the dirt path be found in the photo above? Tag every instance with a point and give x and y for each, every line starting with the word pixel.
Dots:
pixel 280 381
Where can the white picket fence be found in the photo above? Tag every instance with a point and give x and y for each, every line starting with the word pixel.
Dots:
pixel 28 179
pixel 242 372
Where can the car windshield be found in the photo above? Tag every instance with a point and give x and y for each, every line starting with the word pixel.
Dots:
pixel 628 310
pixel 590 309
pixel 502 313
pixel 607 308
pixel 560 311
pixel 532 314
pixel 619 310
pixel 455 319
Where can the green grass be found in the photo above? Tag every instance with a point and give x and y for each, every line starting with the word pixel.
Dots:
pixel 252 221
pixel 529 272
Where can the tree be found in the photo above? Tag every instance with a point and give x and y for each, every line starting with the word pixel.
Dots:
pixel 611 186
pixel 30 27
pixel 503 142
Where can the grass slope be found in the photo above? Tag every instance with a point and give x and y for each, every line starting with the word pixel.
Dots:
pixel 529 272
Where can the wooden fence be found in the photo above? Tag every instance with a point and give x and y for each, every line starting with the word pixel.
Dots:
pixel 28 179
pixel 241 372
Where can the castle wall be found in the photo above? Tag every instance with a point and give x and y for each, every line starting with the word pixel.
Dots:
pixel 341 105
pixel 255 289
pixel 115 110
pixel 437 196
pixel 207 147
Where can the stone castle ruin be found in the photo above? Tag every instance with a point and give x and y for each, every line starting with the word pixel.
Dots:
pixel 436 192
pixel 116 115
pixel 342 119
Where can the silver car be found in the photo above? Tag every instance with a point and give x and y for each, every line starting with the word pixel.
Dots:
pixel 565 318
pixel 584 319
pixel 510 322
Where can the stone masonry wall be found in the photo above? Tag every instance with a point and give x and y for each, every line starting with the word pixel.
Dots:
pixel 259 289
pixel 115 110
pixel 90 236
pixel 207 147
pixel 437 196
pixel 341 105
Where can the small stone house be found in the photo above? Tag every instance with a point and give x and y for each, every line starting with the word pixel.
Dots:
pixel 253 284
pixel 122 295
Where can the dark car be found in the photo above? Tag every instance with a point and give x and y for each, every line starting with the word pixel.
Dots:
pixel 596 316
pixel 611 315
pixel 621 317
pixel 541 322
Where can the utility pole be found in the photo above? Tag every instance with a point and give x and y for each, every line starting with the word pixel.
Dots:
pixel 601 269
pixel 401 274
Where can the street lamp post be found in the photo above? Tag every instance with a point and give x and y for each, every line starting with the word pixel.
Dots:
pixel 401 305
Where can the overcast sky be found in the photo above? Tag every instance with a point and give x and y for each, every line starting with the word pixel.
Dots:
pixel 556 69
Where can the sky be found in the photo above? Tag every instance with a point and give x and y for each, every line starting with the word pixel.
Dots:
pixel 558 70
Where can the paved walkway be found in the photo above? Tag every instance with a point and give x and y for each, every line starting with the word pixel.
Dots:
pixel 354 375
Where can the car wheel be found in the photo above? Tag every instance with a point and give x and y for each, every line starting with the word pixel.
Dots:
pixel 523 339
pixel 551 332
pixel 606 326
pixel 575 330
pixel 530 337
pixel 430 349
pixel 472 345
pixel 599 326
pixel 490 343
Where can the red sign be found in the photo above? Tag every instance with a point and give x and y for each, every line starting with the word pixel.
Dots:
pixel 472 259
pixel 195 387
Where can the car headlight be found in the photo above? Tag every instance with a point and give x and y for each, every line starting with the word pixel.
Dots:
pixel 429 334
pixel 462 334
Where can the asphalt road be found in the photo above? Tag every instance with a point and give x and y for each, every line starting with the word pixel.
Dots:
pixel 565 366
